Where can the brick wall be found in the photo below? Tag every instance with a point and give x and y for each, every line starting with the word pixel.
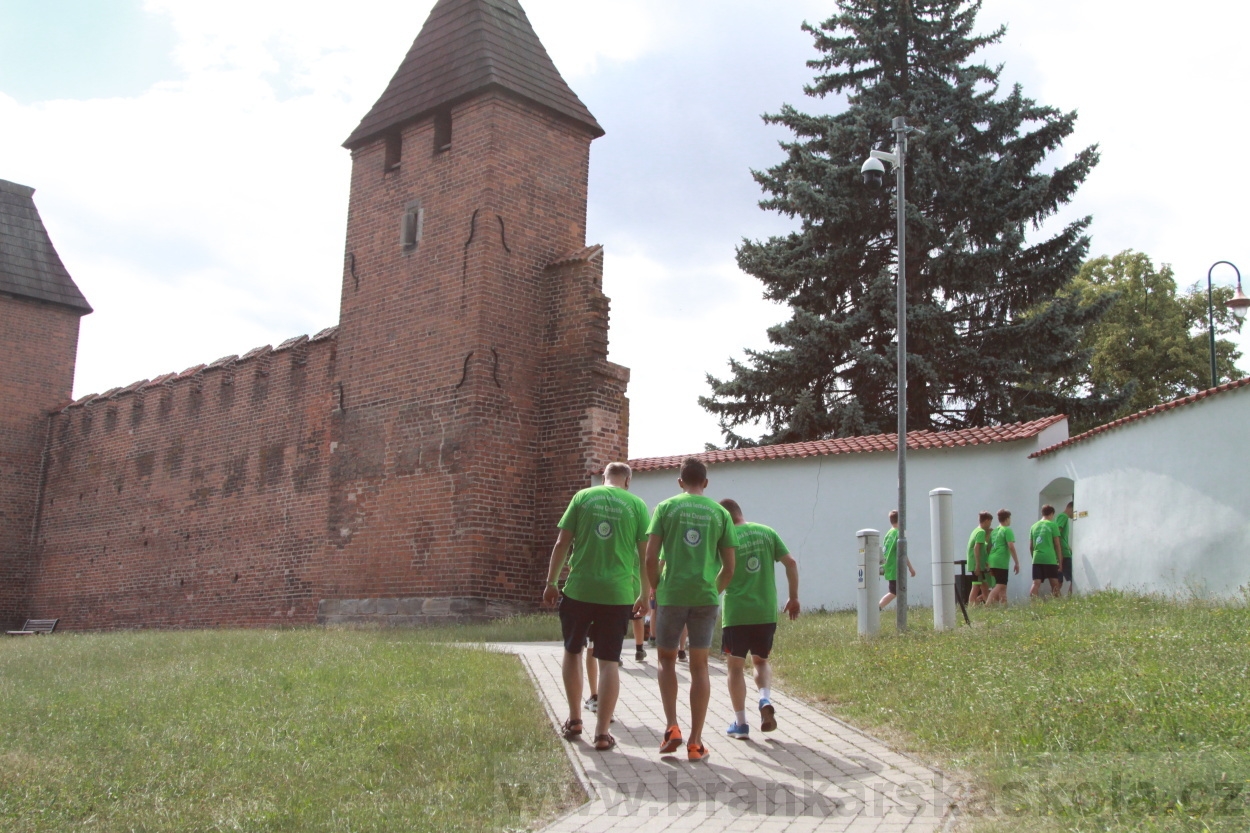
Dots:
pixel 408 467
pixel 191 500
pixel 39 342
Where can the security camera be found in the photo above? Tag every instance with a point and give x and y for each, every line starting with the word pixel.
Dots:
pixel 873 172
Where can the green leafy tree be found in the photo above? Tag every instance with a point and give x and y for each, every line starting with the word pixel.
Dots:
pixel 987 333
pixel 1152 342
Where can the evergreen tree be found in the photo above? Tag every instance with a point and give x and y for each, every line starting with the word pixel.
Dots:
pixel 1152 343
pixel 988 338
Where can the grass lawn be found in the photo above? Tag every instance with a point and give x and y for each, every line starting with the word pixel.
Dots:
pixel 1111 712
pixel 296 730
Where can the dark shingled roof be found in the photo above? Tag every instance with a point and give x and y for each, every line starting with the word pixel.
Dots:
pixel 29 265
pixel 465 48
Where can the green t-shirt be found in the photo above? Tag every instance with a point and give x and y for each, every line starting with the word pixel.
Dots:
pixel 1065 530
pixel 978 536
pixel 889 554
pixel 1042 534
pixel 693 528
pixel 751 598
pixel 607 524
pixel 1000 553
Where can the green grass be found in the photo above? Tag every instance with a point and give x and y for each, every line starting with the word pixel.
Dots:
pixel 530 627
pixel 1111 712
pixel 298 730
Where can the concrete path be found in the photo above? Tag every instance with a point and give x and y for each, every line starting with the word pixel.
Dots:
pixel 814 773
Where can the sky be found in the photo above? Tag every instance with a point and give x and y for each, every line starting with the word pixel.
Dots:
pixel 187 159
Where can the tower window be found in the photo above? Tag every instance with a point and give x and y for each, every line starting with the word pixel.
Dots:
pixel 411 228
pixel 394 150
pixel 442 131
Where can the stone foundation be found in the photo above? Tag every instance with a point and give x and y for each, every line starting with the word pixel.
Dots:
pixel 412 611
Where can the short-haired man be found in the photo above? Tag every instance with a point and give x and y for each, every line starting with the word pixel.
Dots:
pixel 697 538
pixel 978 559
pixel 889 561
pixel 749 615
pixel 606 526
pixel 1046 552
pixel 1064 522
pixel 1002 544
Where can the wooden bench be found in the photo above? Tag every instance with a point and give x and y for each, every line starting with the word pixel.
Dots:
pixel 35 626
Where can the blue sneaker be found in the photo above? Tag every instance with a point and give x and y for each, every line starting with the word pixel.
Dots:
pixel 768 718
pixel 738 730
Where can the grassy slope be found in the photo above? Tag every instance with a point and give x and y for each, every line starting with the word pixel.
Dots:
pixel 1100 713
pixel 269 731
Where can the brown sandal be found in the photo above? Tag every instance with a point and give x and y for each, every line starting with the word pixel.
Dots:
pixel 604 742
pixel 571 728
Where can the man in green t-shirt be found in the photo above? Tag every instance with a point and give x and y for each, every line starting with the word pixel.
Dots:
pixel 1046 552
pixel 606 527
pixel 697 537
pixel 978 558
pixel 749 615
pixel 1064 522
pixel 1002 545
pixel 889 561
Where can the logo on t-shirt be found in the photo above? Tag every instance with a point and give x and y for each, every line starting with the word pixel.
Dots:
pixel 604 529
pixel 693 537
pixel 753 564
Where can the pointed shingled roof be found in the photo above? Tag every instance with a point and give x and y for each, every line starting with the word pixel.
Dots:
pixel 465 48
pixel 29 264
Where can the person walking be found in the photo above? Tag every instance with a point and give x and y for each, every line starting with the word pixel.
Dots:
pixel 978 559
pixel 606 528
pixel 889 561
pixel 1002 547
pixel 1064 523
pixel 749 615
pixel 1046 552
pixel 698 538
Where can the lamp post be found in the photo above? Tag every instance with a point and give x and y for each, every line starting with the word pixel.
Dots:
pixel 873 171
pixel 1238 304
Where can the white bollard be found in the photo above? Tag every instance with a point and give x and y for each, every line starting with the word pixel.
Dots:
pixel 942 543
pixel 869 586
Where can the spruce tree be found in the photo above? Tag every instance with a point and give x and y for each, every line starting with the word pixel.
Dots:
pixel 987 335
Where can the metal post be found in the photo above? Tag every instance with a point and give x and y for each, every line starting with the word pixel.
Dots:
pixel 869 571
pixel 1215 379
pixel 900 148
pixel 942 546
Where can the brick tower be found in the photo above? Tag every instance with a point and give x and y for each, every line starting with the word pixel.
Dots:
pixel 473 389
pixel 39 311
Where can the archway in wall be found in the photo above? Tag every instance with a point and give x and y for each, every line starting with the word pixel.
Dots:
pixel 1057 493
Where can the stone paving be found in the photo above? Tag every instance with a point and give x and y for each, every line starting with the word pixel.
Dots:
pixel 814 773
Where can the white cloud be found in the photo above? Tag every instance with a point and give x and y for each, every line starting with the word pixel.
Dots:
pixel 206 216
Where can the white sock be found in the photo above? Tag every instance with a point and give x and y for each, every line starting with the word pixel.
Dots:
pixel 741 717
pixel 765 694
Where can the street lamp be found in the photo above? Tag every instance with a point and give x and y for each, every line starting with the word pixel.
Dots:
pixel 873 172
pixel 1238 304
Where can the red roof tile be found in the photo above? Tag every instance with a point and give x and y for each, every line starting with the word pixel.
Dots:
pixel 856 445
pixel 1157 409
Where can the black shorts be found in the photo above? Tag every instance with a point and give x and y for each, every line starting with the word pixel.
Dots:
pixel 1067 568
pixel 1045 571
pixel 893 585
pixel 604 625
pixel 999 574
pixel 737 640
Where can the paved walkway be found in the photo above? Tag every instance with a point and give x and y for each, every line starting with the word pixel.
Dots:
pixel 814 773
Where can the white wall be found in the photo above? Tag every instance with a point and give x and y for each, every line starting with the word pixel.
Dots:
pixel 817 504
pixel 1166 498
